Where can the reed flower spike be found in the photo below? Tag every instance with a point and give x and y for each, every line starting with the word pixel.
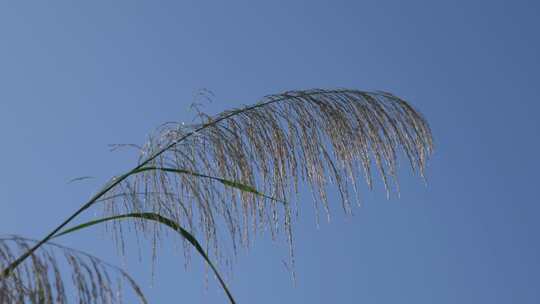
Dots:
pixel 242 168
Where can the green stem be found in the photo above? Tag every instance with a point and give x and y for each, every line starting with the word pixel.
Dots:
pixel 7 271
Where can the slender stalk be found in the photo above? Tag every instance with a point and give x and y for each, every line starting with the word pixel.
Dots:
pixel 7 271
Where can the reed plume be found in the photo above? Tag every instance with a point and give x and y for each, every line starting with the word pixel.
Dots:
pixel 42 280
pixel 242 168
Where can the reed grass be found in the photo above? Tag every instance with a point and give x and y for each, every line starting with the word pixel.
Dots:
pixel 240 171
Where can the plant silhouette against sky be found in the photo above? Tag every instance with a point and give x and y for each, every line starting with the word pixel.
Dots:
pixel 220 181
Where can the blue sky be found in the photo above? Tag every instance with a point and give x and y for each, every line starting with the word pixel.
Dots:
pixel 77 76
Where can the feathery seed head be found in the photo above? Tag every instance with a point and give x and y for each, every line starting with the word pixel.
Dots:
pixel 198 174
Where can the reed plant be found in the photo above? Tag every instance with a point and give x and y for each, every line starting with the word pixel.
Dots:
pixel 224 179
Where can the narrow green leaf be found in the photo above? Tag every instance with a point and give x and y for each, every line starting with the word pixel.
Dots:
pixel 226 182
pixel 165 221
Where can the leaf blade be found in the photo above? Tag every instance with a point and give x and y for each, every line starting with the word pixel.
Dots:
pixel 230 183
pixel 165 221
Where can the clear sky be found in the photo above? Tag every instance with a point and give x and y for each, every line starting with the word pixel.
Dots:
pixel 78 75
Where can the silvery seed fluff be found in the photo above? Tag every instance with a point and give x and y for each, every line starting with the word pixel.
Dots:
pixel 317 137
